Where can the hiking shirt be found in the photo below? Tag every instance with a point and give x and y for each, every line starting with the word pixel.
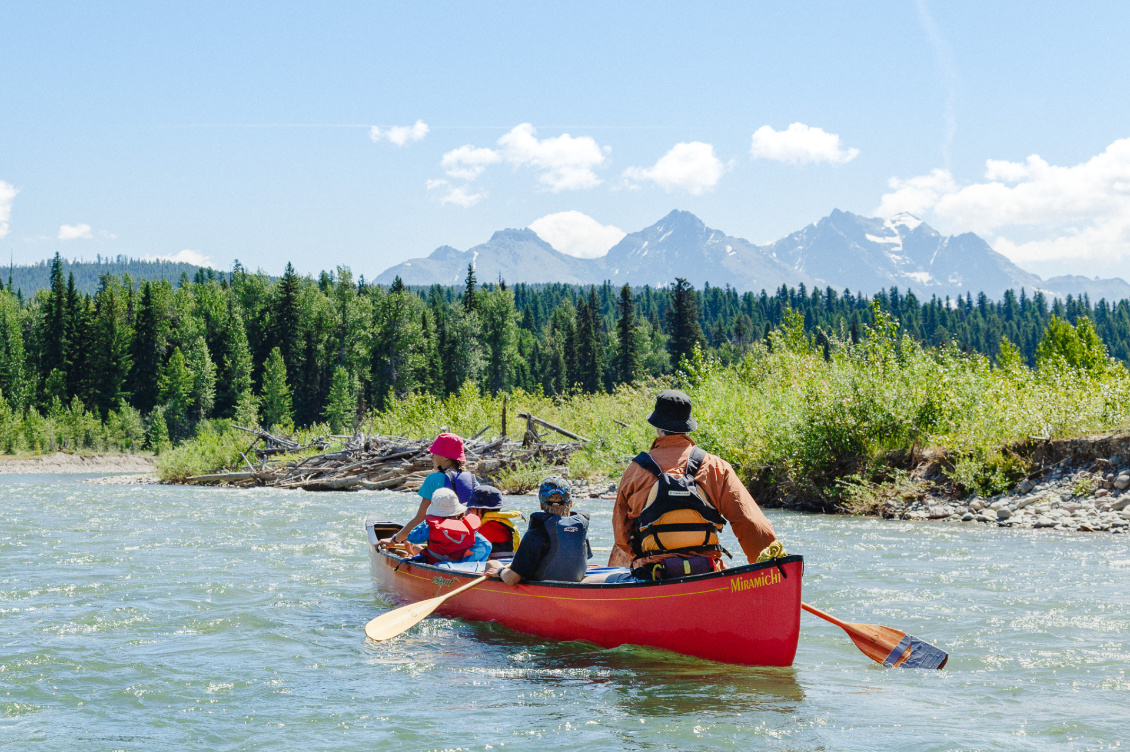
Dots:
pixel 717 482
pixel 536 545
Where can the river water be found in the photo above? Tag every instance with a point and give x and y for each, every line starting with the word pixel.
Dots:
pixel 153 617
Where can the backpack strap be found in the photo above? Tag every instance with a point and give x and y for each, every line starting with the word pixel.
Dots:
pixel 694 462
pixel 645 460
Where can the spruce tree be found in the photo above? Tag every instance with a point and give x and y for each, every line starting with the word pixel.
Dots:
pixel 470 297
pixel 276 394
pixel 500 334
pixel 55 322
pixel 590 355
pixel 627 356
pixel 682 322
pixel 149 343
pixel 287 316
pixel 111 355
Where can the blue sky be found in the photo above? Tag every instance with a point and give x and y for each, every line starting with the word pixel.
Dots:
pixel 244 130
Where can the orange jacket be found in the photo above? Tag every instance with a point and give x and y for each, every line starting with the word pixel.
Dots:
pixel 717 480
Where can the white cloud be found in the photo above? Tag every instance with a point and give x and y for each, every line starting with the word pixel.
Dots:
pixel 690 167
pixel 566 162
pixel 187 256
pixel 7 193
pixel 75 232
pixel 577 234
pixel 468 162
pixel 1079 212
pixel 458 195
pixel 916 195
pixel 800 144
pixel 400 134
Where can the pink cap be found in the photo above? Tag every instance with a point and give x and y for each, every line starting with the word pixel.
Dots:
pixel 448 445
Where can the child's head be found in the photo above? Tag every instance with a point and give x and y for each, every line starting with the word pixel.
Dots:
pixel 447 452
pixel 485 499
pixel 555 496
pixel 445 503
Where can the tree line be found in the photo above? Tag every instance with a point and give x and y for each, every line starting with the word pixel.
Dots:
pixel 156 359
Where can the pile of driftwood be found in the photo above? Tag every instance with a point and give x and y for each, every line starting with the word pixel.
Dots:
pixel 383 462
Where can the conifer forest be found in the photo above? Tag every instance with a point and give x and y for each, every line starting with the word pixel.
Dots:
pixel 141 365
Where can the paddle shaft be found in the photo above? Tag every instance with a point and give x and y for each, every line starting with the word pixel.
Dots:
pixel 461 588
pixel 826 617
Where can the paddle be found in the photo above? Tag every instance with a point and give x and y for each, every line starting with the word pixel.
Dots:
pixel 888 646
pixel 399 620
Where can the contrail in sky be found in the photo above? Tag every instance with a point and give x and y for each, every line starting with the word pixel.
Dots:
pixel 943 56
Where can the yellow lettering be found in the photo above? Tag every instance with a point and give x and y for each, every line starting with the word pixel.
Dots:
pixel 741 585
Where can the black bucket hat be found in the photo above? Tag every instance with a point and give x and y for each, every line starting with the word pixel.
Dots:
pixel 485 497
pixel 673 412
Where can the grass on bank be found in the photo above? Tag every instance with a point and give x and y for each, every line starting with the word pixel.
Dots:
pixel 838 425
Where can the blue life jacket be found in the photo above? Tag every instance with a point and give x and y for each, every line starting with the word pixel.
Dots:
pixel 569 551
pixel 463 484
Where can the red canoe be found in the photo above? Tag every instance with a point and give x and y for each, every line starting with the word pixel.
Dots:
pixel 748 615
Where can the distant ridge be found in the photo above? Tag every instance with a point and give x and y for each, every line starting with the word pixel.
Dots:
pixel 842 251
pixel 28 278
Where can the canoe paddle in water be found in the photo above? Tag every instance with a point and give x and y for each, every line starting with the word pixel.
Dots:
pixel 400 620
pixel 888 646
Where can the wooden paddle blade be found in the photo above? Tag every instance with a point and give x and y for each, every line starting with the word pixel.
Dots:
pixel 895 649
pixel 400 620
pixel 890 647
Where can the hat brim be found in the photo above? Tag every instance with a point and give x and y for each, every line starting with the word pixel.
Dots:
pixel 672 426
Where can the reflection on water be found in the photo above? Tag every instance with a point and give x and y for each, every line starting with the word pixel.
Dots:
pixel 140 618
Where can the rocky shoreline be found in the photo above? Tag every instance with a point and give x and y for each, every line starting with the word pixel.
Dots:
pixel 1081 499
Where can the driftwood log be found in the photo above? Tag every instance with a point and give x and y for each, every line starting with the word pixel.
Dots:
pixel 381 462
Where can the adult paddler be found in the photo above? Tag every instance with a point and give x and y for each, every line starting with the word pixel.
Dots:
pixel 666 521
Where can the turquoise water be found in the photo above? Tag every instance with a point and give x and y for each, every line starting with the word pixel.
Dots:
pixel 150 618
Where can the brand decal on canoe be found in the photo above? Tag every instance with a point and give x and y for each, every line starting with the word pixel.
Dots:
pixel 771 577
pixel 443 581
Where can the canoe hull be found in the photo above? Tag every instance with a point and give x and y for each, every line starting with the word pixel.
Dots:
pixel 748 615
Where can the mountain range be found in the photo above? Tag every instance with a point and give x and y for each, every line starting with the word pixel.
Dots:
pixel 842 250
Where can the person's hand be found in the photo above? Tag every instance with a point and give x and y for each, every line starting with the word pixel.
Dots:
pixel 412 549
pixel 493 567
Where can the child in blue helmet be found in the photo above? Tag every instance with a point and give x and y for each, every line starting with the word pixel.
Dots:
pixel 555 546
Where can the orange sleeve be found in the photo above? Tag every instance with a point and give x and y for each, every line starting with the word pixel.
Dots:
pixel 621 555
pixel 750 525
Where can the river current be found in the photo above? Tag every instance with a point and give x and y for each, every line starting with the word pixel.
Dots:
pixel 162 617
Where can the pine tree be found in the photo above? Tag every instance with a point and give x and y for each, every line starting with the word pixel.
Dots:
pixel 627 356
pixel 276 394
pixel 682 322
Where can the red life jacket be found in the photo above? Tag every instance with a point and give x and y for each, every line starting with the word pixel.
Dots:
pixel 449 539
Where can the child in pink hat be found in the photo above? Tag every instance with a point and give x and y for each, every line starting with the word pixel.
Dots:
pixel 449 460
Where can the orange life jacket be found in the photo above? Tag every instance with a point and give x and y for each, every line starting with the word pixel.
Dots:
pixel 449 539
